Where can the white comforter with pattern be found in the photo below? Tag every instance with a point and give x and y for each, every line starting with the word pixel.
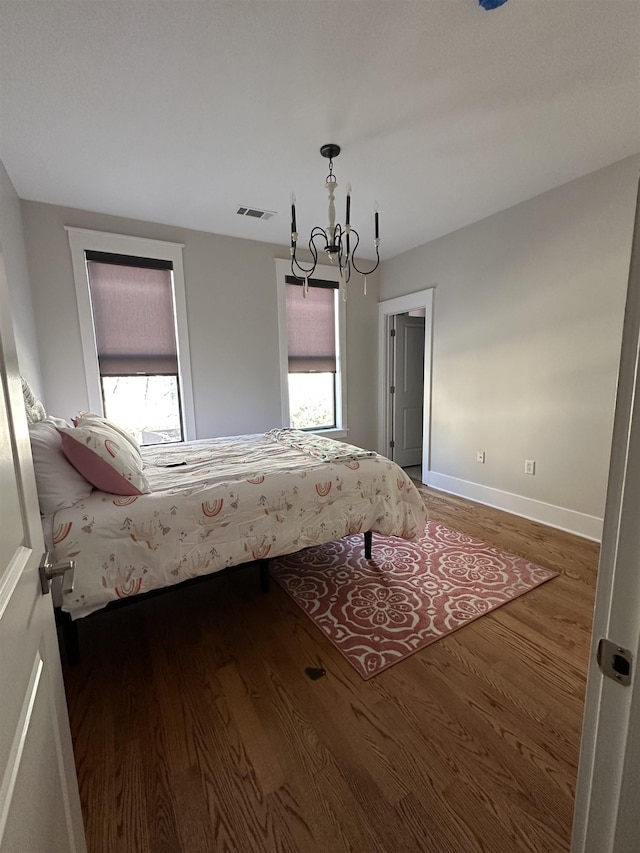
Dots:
pixel 223 502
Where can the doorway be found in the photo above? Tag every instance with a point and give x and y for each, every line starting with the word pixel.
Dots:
pixel 405 331
pixel 407 389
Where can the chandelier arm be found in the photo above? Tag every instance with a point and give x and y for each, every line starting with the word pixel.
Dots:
pixel 300 269
pixel 354 233
pixel 350 251
pixel 353 259
pixel 343 240
pixel 338 234
pixel 316 232
pixel 373 268
pixel 346 253
pixel 305 272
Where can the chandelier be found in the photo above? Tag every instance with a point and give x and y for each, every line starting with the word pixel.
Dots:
pixel 339 244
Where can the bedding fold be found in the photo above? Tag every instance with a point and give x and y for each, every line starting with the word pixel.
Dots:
pixel 320 447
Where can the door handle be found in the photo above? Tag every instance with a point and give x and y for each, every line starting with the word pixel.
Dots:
pixel 48 571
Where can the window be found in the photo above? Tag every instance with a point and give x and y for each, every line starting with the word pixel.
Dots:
pixel 133 328
pixel 311 347
pixel 134 324
pixel 311 342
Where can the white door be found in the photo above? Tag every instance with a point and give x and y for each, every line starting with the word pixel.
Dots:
pixel 408 389
pixel 39 802
pixel 607 813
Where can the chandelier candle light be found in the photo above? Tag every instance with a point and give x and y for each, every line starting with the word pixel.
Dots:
pixel 335 240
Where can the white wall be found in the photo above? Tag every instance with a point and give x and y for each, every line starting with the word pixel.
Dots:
pixel 233 324
pixel 15 261
pixel 527 329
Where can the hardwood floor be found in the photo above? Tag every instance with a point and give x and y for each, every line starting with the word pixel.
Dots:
pixel 196 728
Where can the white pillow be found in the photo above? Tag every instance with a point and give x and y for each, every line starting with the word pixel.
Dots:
pixel 33 407
pixel 88 419
pixel 59 484
pixel 105 459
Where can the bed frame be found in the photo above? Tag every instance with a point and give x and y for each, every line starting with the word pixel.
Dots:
pixel 68 635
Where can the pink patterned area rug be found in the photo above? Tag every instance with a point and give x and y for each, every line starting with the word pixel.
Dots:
pixel 378 612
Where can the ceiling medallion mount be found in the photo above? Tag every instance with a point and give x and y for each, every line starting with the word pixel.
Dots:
pixel 335 240
pixel 330 150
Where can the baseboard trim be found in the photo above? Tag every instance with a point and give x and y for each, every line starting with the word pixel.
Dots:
pixel 587 526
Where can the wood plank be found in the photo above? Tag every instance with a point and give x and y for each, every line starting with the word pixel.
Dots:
pixel 263 758
pixel 132 814
pixel 195 827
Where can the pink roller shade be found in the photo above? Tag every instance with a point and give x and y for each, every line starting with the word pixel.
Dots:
pixel 134 319
pixel 311 326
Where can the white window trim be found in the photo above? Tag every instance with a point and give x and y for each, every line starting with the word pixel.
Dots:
pixel 82 240
pixel 283 269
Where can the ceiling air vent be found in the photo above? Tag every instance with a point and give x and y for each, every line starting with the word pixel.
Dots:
pixel 255 212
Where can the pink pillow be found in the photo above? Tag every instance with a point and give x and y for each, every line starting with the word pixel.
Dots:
pixel 104 459
pixel 88 419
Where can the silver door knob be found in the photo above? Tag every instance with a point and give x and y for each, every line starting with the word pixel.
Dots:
pixel 49 571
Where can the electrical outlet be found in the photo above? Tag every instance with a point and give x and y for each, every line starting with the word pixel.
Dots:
pixel 529 466
pixel 480 456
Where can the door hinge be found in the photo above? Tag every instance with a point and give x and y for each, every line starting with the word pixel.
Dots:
pixel 392 443
pixel 614 661
pixel 393 333
pixel 392 390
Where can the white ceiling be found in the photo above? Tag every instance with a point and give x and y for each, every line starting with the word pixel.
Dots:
pixel 179 111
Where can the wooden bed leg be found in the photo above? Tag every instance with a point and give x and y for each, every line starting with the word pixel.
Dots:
pixel 264 575
pixel 70 640
pixel 368 539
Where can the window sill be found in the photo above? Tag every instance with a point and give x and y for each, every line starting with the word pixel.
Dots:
pixel 331 433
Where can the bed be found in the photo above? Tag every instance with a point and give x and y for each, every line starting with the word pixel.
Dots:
pixel 196 508
pixel 219 503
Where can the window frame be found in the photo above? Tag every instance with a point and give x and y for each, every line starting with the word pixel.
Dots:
pixel 82 240
pixel 283 269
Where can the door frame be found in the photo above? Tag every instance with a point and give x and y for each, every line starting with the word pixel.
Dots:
pixel 386 310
